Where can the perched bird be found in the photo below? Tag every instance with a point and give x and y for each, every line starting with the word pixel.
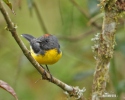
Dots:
pixel 45 49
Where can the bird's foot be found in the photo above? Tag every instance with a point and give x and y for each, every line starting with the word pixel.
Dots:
pixel 51 77
pixel 48 77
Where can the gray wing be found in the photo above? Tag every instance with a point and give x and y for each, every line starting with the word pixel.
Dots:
pixel 35 44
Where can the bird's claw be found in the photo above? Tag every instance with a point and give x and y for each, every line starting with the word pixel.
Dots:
pixel 45 76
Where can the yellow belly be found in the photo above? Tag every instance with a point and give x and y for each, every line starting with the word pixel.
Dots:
pixel 50 57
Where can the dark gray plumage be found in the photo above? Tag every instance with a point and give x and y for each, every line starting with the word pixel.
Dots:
pixel 42 44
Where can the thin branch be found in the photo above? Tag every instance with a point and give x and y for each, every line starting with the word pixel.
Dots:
pixel 84 13
pixel 19 2
pixel 95 18
pixel 72 91
pixel 19 63
pixel 60 10
pixel 78 37
pixel 42 24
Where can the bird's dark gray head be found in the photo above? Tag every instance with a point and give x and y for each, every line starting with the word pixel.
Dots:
pixel 48 42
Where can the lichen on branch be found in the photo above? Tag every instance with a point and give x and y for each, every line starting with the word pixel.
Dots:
pixel 104 47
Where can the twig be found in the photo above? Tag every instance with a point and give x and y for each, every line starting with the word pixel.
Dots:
pixel 72 21
pixel 84 13
pixel 72 91
pixel 59 2
pixel 93 19
pixel 19 63
pixel 78 37
pixel 19 2
pixel 40 18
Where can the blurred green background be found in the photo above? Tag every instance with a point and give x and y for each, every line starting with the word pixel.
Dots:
pixel 75 24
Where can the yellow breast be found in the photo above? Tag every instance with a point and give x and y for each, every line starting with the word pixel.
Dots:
pixel 50 57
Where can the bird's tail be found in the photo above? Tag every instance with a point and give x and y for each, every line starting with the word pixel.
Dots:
pixel 28 37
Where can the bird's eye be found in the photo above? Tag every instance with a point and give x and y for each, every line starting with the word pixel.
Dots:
pixel 46 41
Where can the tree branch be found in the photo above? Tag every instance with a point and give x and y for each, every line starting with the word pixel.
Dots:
pixel 72 91
pixel 104 48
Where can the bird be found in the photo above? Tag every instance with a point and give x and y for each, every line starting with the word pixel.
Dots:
pixel 44 49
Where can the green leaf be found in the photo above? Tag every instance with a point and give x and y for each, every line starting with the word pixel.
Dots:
pixel 8 3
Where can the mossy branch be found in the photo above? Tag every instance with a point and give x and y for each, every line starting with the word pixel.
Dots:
pixel 104 47
pixel 71 91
